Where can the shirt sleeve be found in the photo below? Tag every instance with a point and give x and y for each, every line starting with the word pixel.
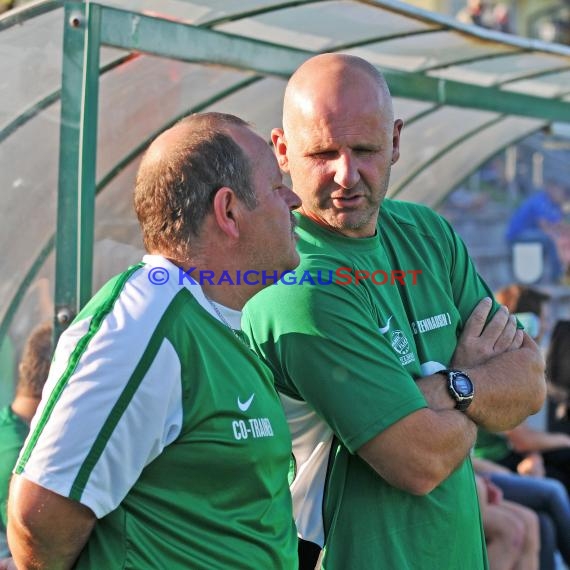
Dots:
pixel 324 347
pixel 112 402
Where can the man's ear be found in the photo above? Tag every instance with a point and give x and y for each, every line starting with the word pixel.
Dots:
pixel 226 212
pixel 280 145
pixel 398 124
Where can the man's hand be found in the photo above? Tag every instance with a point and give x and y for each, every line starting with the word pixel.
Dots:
pixel 479 342
pixel 508 387
pixel 532 466
pixel 494 493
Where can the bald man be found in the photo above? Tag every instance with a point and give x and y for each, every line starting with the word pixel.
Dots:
pixel 383 400
pixel 160 441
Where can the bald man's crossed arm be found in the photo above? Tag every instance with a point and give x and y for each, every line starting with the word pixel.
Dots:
pixel 418 452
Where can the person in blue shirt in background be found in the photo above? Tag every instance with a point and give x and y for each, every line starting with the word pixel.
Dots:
pixel 540 218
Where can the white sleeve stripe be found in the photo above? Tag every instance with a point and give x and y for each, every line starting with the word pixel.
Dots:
pixel 79 350
pixel 115 415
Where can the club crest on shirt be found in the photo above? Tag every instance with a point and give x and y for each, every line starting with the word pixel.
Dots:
pixel 399 342
pixel 401 345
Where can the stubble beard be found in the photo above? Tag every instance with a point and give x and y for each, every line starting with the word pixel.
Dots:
pixel 360 218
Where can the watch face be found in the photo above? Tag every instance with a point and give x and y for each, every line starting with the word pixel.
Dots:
pixel 463 385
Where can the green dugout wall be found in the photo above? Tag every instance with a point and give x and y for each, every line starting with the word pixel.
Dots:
pixel 86 85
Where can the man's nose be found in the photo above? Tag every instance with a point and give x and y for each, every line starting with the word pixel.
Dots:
pixel 346 171
pixel 291 199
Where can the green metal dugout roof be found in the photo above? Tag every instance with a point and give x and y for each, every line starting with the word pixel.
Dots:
pixel 86 85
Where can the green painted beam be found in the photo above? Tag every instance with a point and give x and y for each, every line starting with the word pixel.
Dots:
pixel 166 38
pixel 67 202
pixel 188 43
pixel 441 91
pixel 78 134
pixel 88 154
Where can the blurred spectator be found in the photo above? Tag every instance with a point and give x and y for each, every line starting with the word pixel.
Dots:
pixel 511 530
pixel 540 218
pixel 476 12
pixel 5 5
pixel 486 15
pixel 546 497
pixel 15 418
pixel 501 19
pixel 530 305
pixel 523 449
pixel 467 200
pixel 527 451
pixel 558 376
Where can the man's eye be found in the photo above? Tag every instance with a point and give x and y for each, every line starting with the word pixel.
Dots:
pixel 326 154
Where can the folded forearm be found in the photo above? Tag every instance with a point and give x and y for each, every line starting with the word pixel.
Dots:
pixel 508 388
pixel 417 453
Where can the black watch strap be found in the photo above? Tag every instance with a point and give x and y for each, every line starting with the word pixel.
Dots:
pixel 460 388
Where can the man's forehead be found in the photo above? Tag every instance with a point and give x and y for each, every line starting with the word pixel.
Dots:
pixel 355 127
pixel 308 107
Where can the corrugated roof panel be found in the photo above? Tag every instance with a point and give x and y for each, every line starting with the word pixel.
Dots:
pixel 445 173
pixel 196 11
pixel 549 86
pixel 137 99
pixel 422 140
pixel 438 48
pixel 497 70
pixel 260 103
pixel 406 109
pixel 142 94
pixel 324 25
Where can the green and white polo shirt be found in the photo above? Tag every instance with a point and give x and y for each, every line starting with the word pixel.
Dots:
pixel 168 428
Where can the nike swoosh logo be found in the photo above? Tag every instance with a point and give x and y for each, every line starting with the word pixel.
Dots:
pixel 384 330
pixel 245 406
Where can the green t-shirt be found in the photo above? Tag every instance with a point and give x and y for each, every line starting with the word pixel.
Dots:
pixel 491 446
pixel 345 356
pixel 13 432
pixel 169 429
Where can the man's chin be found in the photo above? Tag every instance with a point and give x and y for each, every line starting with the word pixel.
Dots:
pixel 349 221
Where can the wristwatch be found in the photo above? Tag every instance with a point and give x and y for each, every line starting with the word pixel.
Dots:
pixel 460 388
